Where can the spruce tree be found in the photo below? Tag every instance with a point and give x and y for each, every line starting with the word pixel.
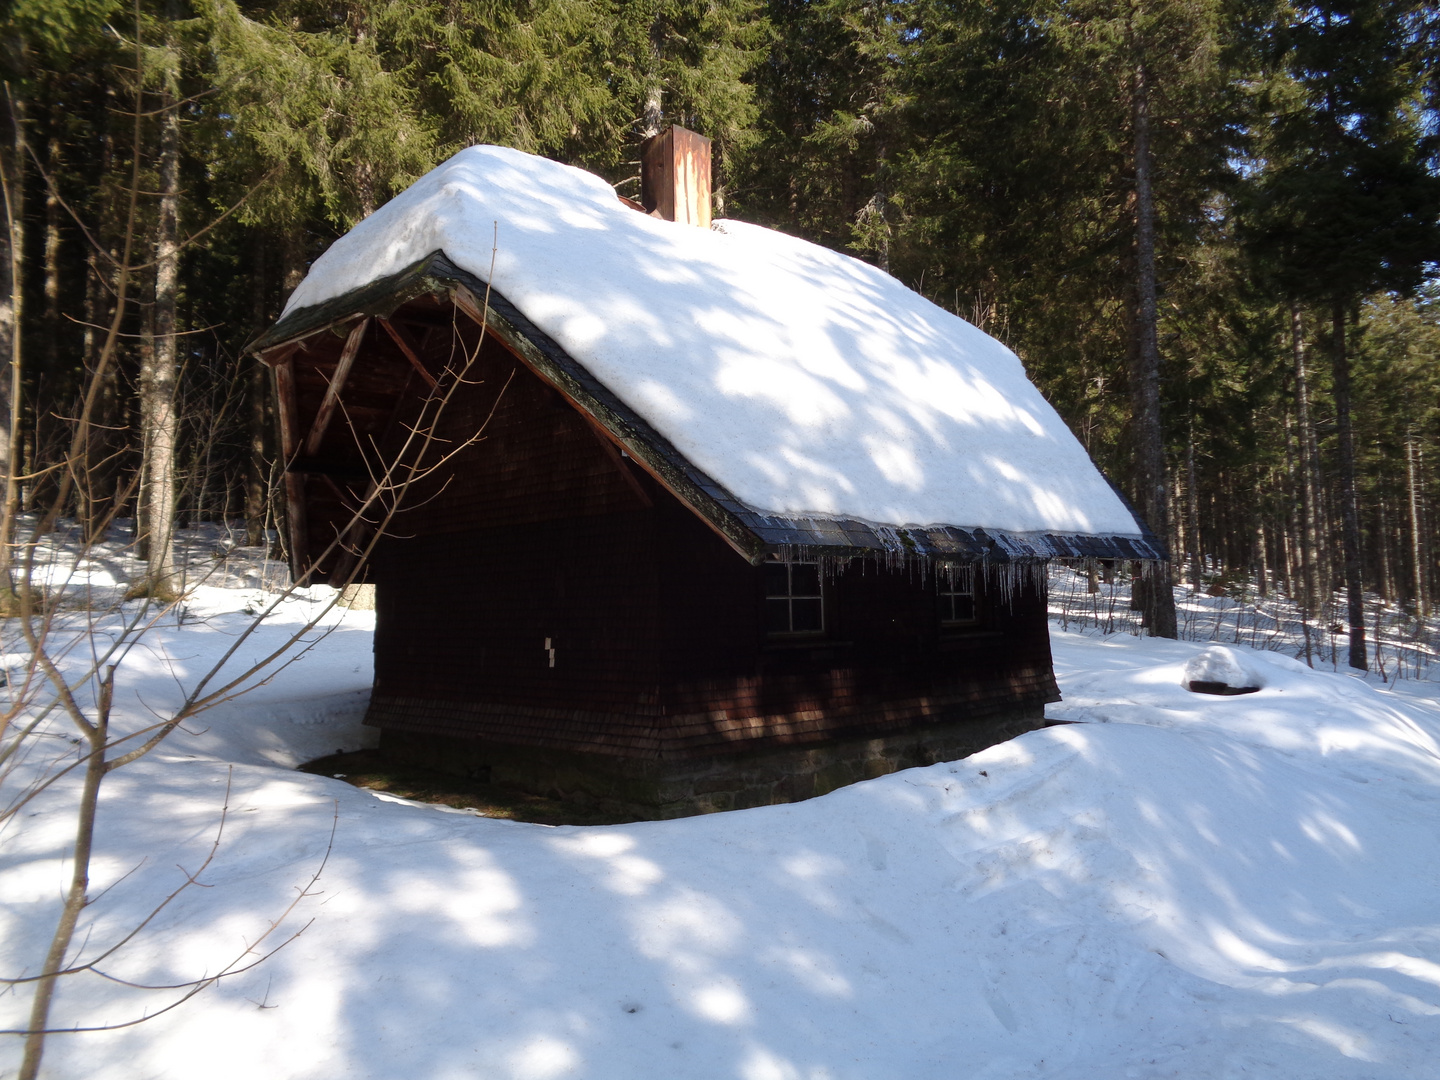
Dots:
pixel 1347 200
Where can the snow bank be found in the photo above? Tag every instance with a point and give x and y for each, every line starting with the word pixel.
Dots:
pixel 1182 886
pixel 1222 666
pixel 804 381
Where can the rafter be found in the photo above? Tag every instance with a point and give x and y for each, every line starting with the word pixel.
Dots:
pixel 402 340
pixel 332 392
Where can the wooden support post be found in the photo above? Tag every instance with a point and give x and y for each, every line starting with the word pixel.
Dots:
pixel 294 482
pixel 332 392
pixel 402 340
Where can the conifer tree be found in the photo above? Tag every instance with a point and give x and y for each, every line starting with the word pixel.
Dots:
pixel 1348 200
pixel 686 62
pixel 831 123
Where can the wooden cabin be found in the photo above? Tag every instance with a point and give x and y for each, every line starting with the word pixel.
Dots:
pixel 579 586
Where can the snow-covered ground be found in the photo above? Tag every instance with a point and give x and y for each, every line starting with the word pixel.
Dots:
pixel 1233 612
pixel 1175 885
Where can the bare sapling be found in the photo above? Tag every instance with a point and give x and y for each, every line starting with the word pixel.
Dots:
pixel 72 677
pixel 65 692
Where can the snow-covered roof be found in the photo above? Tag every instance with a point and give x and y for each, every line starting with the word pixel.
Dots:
pixel 806 382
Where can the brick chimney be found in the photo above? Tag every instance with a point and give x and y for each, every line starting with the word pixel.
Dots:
pixel 675 176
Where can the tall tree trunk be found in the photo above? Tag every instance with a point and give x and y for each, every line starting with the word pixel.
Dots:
pixel 1287 562
pixel 12 204
pixel 100 440
pixel 880 202
pixel 1158 595
pixel 292 272
pixel 652 119
pixel 1417 547
pixel 158 383
pixel 292 264
pixel 1294 569
pixel 1349 497
pixel 142 421
pixel 99 454
pixel 1192 507
pixel 257 469
pixel 1382 549
pixel 1262 554
pixel 51 313
pixel 1309 528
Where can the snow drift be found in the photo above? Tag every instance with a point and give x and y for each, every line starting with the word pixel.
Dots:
pixel 1176 886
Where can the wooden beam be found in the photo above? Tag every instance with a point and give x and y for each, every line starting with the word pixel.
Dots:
pixel 403 341
pixel 337 383
pixel 526 352
pixel 470 304
pixel 279 354
pixel 614 451
pixel 294 482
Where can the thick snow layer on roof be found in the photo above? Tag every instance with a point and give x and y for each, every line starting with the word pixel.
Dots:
pixel 804 381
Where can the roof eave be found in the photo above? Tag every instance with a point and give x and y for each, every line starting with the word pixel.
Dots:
pixel 799 537
pixel 754 534
pixel 380 297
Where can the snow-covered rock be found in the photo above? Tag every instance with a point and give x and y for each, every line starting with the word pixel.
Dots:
pixel 1220 669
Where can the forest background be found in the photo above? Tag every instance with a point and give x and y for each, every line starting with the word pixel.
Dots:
pixel 1210 228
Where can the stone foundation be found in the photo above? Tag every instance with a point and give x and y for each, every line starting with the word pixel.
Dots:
pixel 671 789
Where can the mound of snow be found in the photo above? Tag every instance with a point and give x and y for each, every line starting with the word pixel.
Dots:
pixel 1219 668
pixel 1196 887
pixel 804 381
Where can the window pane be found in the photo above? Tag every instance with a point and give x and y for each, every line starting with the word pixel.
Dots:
pixel 776 579
pixel 807 615
pixel 957 579
pixel 804 579
pixel 956 584
pixel 777 616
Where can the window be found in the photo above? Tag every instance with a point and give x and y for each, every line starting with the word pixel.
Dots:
pixel 955 583
pixel 794 603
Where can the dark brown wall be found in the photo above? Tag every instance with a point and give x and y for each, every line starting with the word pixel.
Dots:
pixel 541 530
pixel 536 459
pixel 884 663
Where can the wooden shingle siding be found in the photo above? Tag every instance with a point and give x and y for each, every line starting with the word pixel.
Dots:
pixel 537 460
pixel 660 648
pixel 588 586
pixel 541 529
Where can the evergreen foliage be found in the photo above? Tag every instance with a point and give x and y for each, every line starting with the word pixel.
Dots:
pixel 983 151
